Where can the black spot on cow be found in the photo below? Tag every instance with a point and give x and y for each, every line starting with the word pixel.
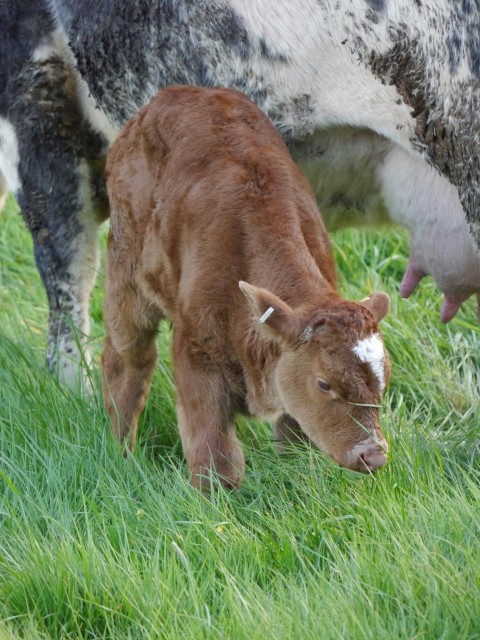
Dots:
pixel 231 29
pixel 127 51
pixel 299 110
pixel 454 47
pixel 463 38
pixel 372 16
pixel 473 44
pixel 269 54
pixel 23 27
pixel 467 6
pixel 378 5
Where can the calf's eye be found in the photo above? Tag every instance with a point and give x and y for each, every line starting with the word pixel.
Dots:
pixel 324 386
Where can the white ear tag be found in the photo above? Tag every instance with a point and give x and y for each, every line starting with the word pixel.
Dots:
pixel 266 315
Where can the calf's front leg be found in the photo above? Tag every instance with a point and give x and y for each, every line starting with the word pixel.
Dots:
pixel 205 420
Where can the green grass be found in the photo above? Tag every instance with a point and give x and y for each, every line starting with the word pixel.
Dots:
pixel 94 546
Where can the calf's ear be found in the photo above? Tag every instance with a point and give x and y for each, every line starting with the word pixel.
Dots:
pixel 276 318
pixel 378 303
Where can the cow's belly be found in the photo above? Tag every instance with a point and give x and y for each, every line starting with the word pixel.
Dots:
pixel 342 164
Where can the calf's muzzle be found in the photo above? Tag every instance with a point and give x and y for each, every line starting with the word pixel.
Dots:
pixel 367 456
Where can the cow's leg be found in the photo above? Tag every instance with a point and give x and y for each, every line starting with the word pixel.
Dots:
pixel 57 207
pixel 286 429
pixel 205 420
pixel 129 356
pixel 60 190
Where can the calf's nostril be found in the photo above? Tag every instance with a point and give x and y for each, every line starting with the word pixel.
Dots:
pixel 373 459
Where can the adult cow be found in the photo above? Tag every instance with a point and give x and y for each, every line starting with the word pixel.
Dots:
pixel 379 101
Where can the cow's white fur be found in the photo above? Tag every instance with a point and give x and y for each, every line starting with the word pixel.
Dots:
pixel 92 112
pixel 370 350
pixel 323 68
pixel 53 44
pixel 9 155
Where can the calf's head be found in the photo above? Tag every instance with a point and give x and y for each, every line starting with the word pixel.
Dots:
pixel 331 373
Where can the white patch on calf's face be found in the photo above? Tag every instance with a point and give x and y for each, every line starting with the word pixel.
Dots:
pixel 370 350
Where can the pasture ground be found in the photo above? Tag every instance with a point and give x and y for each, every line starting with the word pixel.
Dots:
pixel 94 546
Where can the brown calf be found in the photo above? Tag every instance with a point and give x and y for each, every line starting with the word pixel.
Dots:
pixel 205 198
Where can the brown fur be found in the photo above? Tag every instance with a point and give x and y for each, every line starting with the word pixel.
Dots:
pixel 204 194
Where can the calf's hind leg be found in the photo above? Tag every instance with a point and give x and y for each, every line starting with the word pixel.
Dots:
pixel 205 420
pixel 128 358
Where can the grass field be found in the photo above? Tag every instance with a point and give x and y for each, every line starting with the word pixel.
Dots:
pixel 94 546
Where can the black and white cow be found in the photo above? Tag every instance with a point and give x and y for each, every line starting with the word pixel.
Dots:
pixel 379 101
